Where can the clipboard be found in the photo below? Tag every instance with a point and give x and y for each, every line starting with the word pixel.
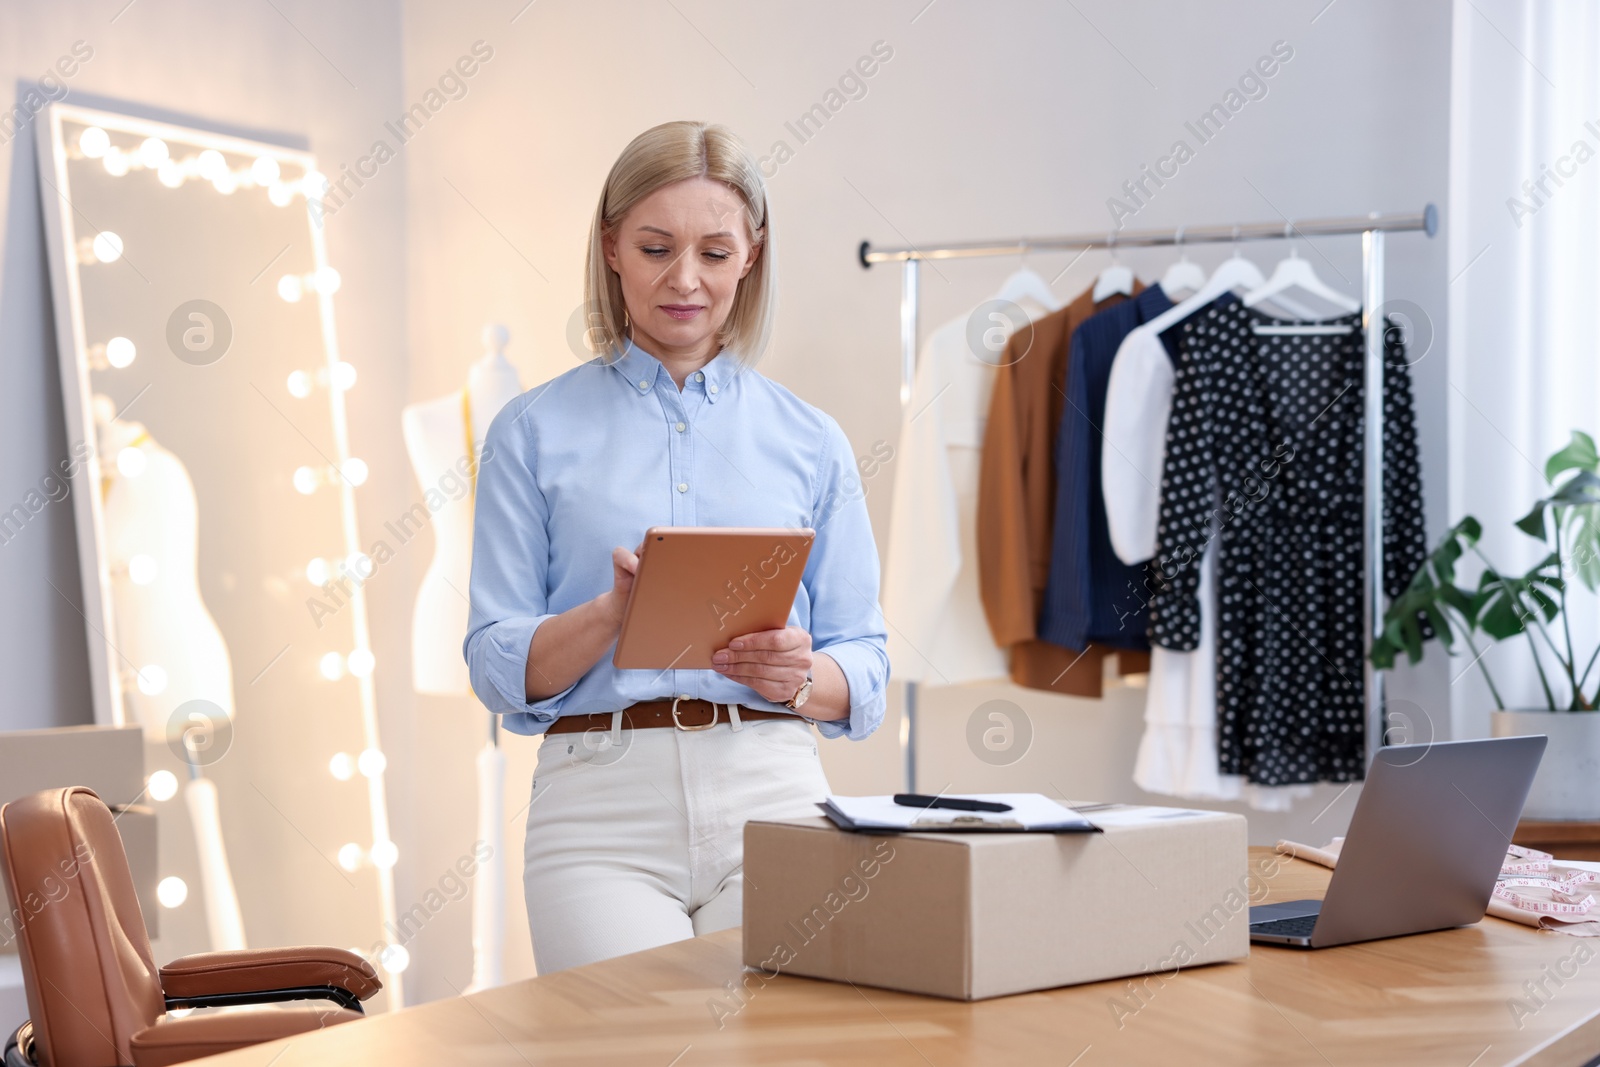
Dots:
pixel 1030 813
pixel 699 587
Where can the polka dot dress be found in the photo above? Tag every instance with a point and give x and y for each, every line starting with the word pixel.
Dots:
pixel 1264 467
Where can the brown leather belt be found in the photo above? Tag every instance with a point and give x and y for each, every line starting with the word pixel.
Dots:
pixel 688 715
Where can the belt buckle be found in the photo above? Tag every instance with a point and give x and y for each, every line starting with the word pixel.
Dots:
pixel 679 722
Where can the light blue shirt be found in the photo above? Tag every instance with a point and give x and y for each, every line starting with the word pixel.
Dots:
pixel 592 458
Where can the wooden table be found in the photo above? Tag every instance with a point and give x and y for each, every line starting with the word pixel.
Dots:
pixel 1442 998
pixel 1564 840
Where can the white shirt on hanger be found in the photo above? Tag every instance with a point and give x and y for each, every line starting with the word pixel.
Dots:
pixel 938 632
pixel 1138 405
pixel 1178 752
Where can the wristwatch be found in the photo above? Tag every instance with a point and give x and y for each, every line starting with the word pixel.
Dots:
pixel 801 695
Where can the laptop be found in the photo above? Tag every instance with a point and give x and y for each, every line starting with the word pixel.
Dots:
pixel 1424 848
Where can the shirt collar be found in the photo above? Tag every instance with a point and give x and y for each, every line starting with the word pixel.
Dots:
pixel 1152 302
pixel 639 366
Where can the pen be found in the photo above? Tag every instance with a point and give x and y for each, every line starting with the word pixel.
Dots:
pixel 918 800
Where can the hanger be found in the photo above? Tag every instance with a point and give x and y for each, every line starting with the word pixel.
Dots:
pixel 1293 272
pixel 1184 276
pixel 1026 283
pixel 1114 279
pixel 1235 272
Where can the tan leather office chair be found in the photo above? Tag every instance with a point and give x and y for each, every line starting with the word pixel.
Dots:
pixel 95 996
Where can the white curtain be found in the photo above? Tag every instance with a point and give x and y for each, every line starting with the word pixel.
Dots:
pixel 1524 298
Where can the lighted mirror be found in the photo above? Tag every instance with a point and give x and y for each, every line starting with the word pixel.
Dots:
pixel 215 493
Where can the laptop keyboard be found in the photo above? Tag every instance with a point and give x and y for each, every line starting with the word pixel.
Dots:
pixel 1299 926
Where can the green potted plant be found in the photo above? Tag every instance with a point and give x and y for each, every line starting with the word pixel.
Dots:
pixel 1530 607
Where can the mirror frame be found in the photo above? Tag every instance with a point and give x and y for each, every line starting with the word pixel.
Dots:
pixel 72 352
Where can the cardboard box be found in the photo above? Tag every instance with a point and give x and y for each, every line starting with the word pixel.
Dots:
pixel 107 759
pixel 975 915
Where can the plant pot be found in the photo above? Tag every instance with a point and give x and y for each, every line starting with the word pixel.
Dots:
pixel 1567 786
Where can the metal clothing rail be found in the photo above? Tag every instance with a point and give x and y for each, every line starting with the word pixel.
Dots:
pixel 1371 228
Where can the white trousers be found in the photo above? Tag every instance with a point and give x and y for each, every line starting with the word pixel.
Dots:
pixel 635 838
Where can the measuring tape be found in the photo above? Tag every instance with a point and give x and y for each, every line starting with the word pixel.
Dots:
pixel 1522 870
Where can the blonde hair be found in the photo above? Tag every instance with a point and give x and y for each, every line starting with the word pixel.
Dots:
pixel 661 155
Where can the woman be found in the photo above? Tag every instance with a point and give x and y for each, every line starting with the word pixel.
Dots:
pixel 636 823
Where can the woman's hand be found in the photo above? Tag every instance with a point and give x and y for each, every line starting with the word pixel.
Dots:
pixel 772 662
pixel 565 647
pixel 624 565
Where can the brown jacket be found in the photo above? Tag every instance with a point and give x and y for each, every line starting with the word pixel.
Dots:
pixel 1016 503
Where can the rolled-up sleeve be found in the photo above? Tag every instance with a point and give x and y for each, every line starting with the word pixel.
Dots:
pixel 510 561
pixel 841 578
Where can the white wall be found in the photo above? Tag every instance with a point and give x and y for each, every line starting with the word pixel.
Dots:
pixel 987 121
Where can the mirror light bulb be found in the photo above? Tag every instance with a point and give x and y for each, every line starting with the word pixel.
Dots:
pixel 361 662
pixel 153 152
pixel 291 288
pixel 212 165
pixel 264 170
pixel 355 472
pixel 326 280
pixel 317 572
pixel 332 666
pixel 172 891
pixel 350 856
pixel 299 384
pixel 131 461
pixel 120 352
pixel 384 854
pixel 152 680
pixel 226 182
pixel 342 767
pixel 142 569
pixel 305 480
pixel 394 959
pixel 372 762
pixel 116 162
pixel 107 246
pixel 169 173
pixel 93 142
pixel 280 194
pixel 162 785
pixel 344 375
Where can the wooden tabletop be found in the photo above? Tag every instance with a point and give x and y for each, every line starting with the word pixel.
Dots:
pixel 1569 840
pixel 1449 998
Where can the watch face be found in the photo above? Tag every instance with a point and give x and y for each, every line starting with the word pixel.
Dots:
pixel 803 694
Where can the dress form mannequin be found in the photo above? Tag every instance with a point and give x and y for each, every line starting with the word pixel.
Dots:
pixel 162 622
pixel 436 435
pixel 439 434
pixel 169 641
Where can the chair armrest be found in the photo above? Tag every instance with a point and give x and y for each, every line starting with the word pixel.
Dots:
pixel 248 973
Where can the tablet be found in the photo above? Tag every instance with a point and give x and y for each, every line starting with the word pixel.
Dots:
pixel 699 587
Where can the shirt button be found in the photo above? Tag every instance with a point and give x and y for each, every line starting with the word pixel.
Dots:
pixel 712 388
pixel 699 376
pixel 683 487
pixel 680 427
pixel 643 384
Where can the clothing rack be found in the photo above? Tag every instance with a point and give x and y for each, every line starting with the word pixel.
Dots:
pixel 1371 228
